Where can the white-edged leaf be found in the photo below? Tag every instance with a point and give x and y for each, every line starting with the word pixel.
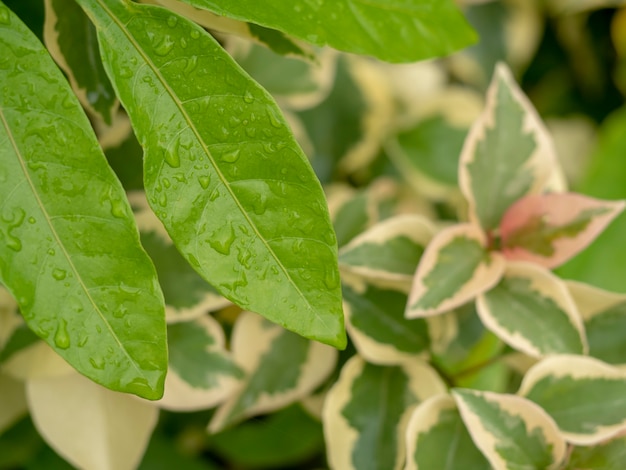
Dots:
pixel 187 295
pixel 12 401
pixel 90 426
pixel 584 395
pixel 511 431
pixel 201 372
pixel 38 360
pixel 281 368
pixel 454 269
pixel 377 326
pixel 508 153
pixel 367 410
pixel 604 315
pixel 389 251
pixel 436 438
pixel 532 310
pixel 549 229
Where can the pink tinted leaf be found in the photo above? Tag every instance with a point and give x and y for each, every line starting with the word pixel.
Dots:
pixel 548 229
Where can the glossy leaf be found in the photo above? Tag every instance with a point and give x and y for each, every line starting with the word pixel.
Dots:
pixel 548 229
pixel 532 311
pixel 280 368
pixel 71 40
pixel 508 153
pixel 221 169
pixel 399 31
pixel 367 410
pixel 604 314
pixel 70 251
pixel 376 323
pixel 511 432
pixel 88 425
pixel 585 396
pixel 389 252
pixel 455 267
pixel 201 372
pixel 436 438
pixel 187 295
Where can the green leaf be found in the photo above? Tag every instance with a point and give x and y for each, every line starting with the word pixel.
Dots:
pixel 604 314
pixel 222 171
pixel 71 40
pixel 454 269
pixel 608 456
pixel 70 251
pixel 391 30
pixel 389 252
pixel 280 367
pixel 366 412
pixel 438 440
pixel 512 432
pixel 201 372
pixel 378 328
pixel 585 396
pixel 508 153
pixel 531 310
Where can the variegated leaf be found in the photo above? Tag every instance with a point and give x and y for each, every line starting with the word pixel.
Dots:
pixel 604 314
pixel 512 432
pixel 90 426
pixel 13 399
pixel 389 252
pixel 281 368
pixel 37 360
pixel 201 372
pixel 454 269
pixel 532 310
pixel 436 438
pixel 187 295
pixel 377 326
pixel 585 396
pixel 607 456
pixel 508 154
pixel 548 229
pixel 367 410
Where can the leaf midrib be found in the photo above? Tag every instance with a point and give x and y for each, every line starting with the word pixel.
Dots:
pixel 192 127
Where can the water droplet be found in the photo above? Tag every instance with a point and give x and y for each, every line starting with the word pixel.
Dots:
pixel 31 220
pixel 274 120
pixel 5 18
pixel 171 21
pixel 98 328
pixel 214 195
pixel 118 208
pixel 61 337
pixel 51 252
pixel 163 200
pixel 195 34
pixel 82 341
pixel 331 278
pixel 97 362
pixel 243 256
pixel 193 260
pixel 190 64
pixel 297 246
pixel 172 158
pixel 163 45
pixel 14 221
pixel 259 204
pixel 222 239
pixel 59 274
pixel 305 274
pixel 120 312
pixel 230 157
pixel 234 121
pixel 204 181
pixel 183 43
pixel 247 97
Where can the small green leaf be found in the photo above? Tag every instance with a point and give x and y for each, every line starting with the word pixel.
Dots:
pixel 608 456
pixel 391 30
pixel 366 412
pixel 378 328
pixel 281 368
pixel 532 311
pixel 438 440
pixel 508 153
pixel 70 251
pixel 71 40
pixel 512 432
pixel 222 169
pixel 585 396
pixel 454 269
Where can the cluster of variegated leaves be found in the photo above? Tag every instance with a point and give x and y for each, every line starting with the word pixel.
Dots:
pixel 491 272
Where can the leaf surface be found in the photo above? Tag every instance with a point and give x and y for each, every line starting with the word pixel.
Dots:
pixel 548 229
pixel 607 456
pixel 70 251
pixel 391 30
pixel 222 170
pixel 512 432
pixel 455 267
pixel 585 396
pixel 367 410
pixel 531 310
pixel 438 440
pixel 507 154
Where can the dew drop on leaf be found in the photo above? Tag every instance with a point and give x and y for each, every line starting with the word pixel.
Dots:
pixel 61 337
pixel 222 239
pixel 204 181
pixel 172 159
pixel 4 15
pixel 97 362
pixel 274 121
pixel 230 157
pixel 171 21
pixel 59 274
pixel 247 97
pixel 331 278
pixel 195 34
